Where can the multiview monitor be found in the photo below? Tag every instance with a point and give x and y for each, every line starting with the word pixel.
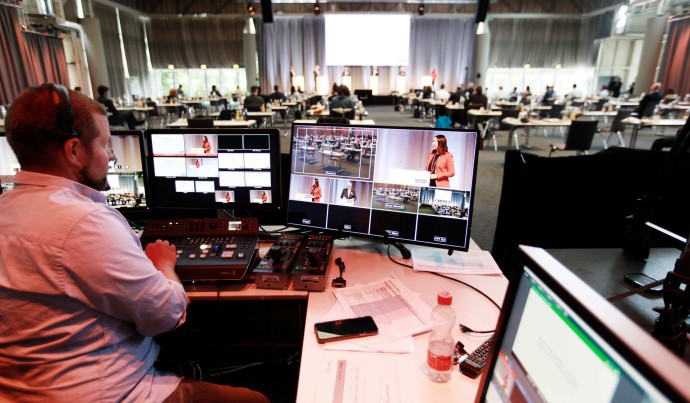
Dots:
pixel 214 168
pixel 558 340
pixel 412 185
pixel 126 176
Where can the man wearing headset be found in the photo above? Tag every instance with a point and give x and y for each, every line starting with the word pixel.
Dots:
pixel 80 301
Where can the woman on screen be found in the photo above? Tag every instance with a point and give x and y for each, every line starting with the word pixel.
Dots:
pixel 228 197
pixel 316 191
pixel 264 197
pixel 206 145
pixel 440 163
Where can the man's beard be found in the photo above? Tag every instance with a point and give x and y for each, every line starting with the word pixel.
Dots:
pixel 97 184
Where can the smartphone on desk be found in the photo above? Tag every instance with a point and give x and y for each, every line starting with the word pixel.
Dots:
pixel 345 329
pixel 641 280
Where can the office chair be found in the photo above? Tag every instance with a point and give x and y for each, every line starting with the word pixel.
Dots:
pixel 332 120
pixel 253 108
pixel 200 123
pixel 226 114
pixel 618 127
pixel 579 137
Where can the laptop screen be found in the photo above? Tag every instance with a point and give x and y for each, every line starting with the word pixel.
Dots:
pixel 560 341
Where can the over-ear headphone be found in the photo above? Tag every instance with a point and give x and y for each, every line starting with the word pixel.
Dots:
pixel 63 112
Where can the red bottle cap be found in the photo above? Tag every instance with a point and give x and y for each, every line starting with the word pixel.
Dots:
pixel 444 298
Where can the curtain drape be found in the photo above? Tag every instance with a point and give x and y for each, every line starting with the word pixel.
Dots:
pixel 27 59
pixel 290 42
pixel 13 56
pixel 674 68
pixel 48 59
pixel 540 43
pixel 189 41
pixel 135 50
pixel 446 45
pixel 111 47
pixel 545 43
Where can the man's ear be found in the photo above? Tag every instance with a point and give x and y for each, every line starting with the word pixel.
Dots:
pixel 73 151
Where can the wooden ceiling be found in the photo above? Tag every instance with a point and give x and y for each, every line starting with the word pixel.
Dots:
pixel 287 7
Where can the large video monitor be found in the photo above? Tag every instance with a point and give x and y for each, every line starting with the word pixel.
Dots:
pixel 127 175
pixel 558 340
pixel 214 168
pixel 377 182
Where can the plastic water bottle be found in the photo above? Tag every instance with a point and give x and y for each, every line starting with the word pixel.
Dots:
pixel 439 356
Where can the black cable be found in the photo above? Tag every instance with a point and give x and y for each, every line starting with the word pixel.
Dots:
pixel 449 278
pixel 467 329
pixel 468 285
pixel 395 261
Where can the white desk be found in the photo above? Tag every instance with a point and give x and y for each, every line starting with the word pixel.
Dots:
pixel 515 124
pixel 638 124
pixel 364 122
pixel 367 262
pixel 263 115
pixel 217 123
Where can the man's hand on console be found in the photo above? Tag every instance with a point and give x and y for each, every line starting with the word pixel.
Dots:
pixel 164 256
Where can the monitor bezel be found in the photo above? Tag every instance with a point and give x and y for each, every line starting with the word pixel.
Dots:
pixel 136 212
pixel 274 139
pixel 386 238
pixel 644 353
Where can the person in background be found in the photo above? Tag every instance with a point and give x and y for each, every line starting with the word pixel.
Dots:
pixel 374 71
pixel 501 94
pixel 434 76
pixel 440 163
pixel 180 91
pixel 401 71
pixel 442 94
pixel 346 71
pixel 78 321
pixel 548 95
pixel 649 101
pixel 574 93
pixel 458 96
pixel 478 98
pixel 343 102
pixel 254 101
pixel 604 92
pixel 469 90
pixel 116 117
pixel 215 92
pixel 276 95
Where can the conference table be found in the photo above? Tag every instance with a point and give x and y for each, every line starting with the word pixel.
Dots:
pixel 638 124
pixel 401 375
pixel 217 123
pixel 515 123
pixel 270 115
pixel 484 115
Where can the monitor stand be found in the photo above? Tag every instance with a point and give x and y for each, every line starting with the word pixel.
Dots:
pixel 406 254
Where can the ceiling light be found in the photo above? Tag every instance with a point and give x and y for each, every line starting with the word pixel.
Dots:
pixel 171 67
